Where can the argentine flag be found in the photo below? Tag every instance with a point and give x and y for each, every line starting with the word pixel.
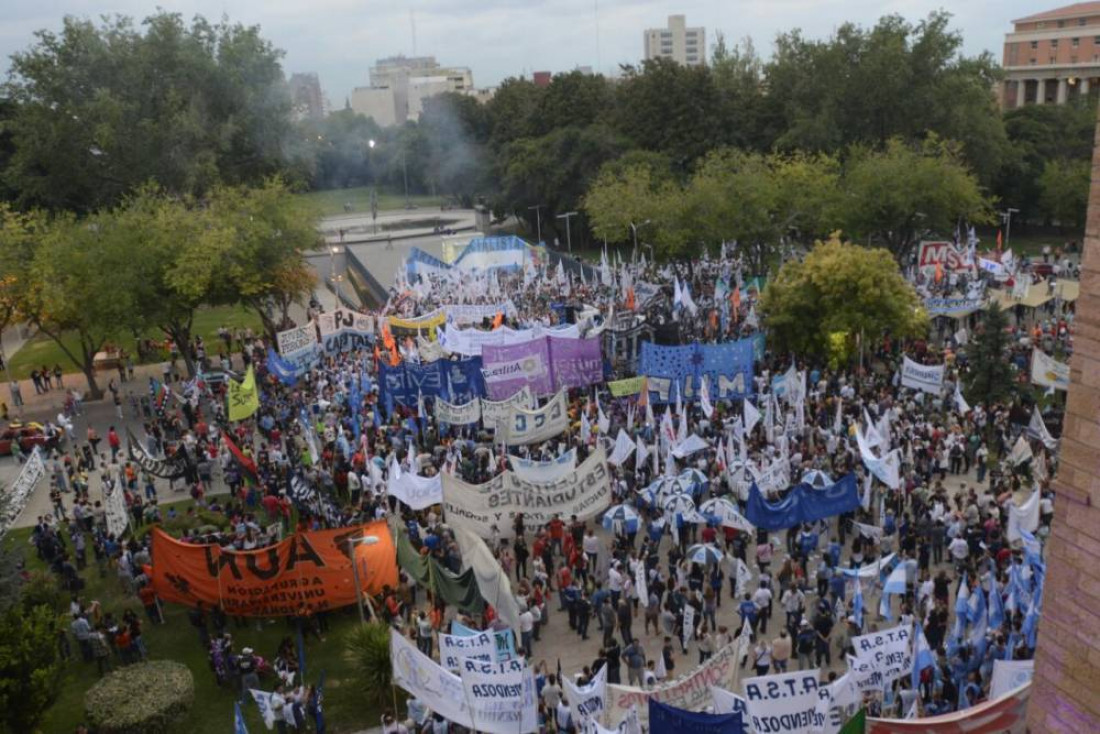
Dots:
pixel 895 584
pixel 922 656
pixel 857 604
pixel 996 604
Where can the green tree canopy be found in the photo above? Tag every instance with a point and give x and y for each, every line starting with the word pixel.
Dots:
pixel 896 196
pixel 1065 191
pixel 839 288
pixel 102 108
pixel 989 379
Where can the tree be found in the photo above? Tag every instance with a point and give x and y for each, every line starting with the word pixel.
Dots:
pixel 625 195
pixel 554 171
pixel 367 649
pixel 990 376
pixel 898 195
pixel 738 76
pixel 101 109
pixel 667 107
pixel 30 671
pixel 257 256
pixel 895 80
pixel 839 288
pixel 1065 187
pixel 1038 134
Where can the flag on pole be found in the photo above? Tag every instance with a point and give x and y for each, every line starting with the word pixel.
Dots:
pixel 238 719
pixel 922 657
pixel 895 584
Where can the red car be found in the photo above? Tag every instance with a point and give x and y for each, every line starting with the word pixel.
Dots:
pixel 29 435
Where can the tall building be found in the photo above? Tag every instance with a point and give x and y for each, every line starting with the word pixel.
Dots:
pixel 677 42
pixel 1052 57
pixel 307 101
pixel 399 85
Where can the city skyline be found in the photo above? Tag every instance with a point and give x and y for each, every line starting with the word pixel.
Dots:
pixel 497 39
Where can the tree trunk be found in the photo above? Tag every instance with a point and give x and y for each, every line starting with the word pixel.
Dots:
pixel 95 392
pixel 181 335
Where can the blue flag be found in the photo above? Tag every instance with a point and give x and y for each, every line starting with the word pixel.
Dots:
pixel 238 719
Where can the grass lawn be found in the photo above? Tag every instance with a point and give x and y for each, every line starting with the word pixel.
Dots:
pixel 332 201
pixel 42 350
pixel 1029 243
pixel 346 706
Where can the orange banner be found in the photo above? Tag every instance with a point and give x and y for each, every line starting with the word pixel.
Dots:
pixel 308 571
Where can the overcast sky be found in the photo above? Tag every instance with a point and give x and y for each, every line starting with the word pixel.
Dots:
pixel 339 39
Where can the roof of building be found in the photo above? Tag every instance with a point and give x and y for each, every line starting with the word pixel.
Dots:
pixel 1069 11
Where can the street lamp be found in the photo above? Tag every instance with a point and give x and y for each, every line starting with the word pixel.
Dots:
pixel 568 230
pixel 1006 215
pixel 352 542
pixel 634 229
pixel 538 220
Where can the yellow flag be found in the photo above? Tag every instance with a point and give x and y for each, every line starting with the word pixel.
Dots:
pixel 244 398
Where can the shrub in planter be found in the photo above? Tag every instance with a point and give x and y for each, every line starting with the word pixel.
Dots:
pixel 140 699
pixel 367 648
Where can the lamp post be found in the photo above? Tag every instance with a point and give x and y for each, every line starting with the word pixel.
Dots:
pixel 352 542
pixel 1007 216
pixel 568 230
pixel 373 187
pixel 634 229
pixel 538 221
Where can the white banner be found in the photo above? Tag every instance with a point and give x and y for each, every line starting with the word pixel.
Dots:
pixel 453 649
pixel 424 678
pixel 296 339
pixel 533 426
pixel 1008 675
pixel 343 330
pixel 923 377
pixel 19 494
pixel 544 472
pixel 888 652
pixel 584 492
pixel 502 696
pixel 494 413
pixel 118 519
pixel 468 342
pixel 492 582
pixel 415 491
pixel 1048 372
pixel 587 701
pixel 467 314
pixel 457 415
pixel 691 692
pixel 786 703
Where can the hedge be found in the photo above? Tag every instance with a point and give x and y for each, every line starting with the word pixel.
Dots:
pixel 140 699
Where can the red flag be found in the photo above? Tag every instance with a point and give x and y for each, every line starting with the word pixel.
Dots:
pixel 999 244
pixel 245 463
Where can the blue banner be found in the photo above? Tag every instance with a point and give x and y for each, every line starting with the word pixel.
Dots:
pixel 802 504
pixel 728 367
pixel 665 719
pixel 505 640
pixel 284 371
pixel 456 381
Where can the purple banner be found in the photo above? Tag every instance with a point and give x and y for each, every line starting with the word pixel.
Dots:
pixel 577 362
pixel 508 368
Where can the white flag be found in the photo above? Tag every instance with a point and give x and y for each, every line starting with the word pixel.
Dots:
pixel 960 401
pixel 704 399
pixel 602 420
pixel 752 415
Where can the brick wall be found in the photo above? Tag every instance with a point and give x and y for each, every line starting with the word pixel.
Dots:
pixel 1067 666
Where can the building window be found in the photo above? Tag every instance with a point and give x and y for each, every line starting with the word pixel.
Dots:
pixel 1054 43
pixel 1061 24
pixel 1040 26
pixel 1032 62
pixel 1073 59
pixel 1050 59
pixel 1034 45
pixel 1075 42
pixel 1081 21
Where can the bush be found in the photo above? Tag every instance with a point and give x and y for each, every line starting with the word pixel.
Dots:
pixel 367 648
pixel 30 672
pixel 42 588
pixel 140 699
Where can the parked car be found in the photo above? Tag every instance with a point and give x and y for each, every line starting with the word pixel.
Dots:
pixel 29 435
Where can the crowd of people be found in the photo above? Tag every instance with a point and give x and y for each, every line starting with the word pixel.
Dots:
pixel 786 590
